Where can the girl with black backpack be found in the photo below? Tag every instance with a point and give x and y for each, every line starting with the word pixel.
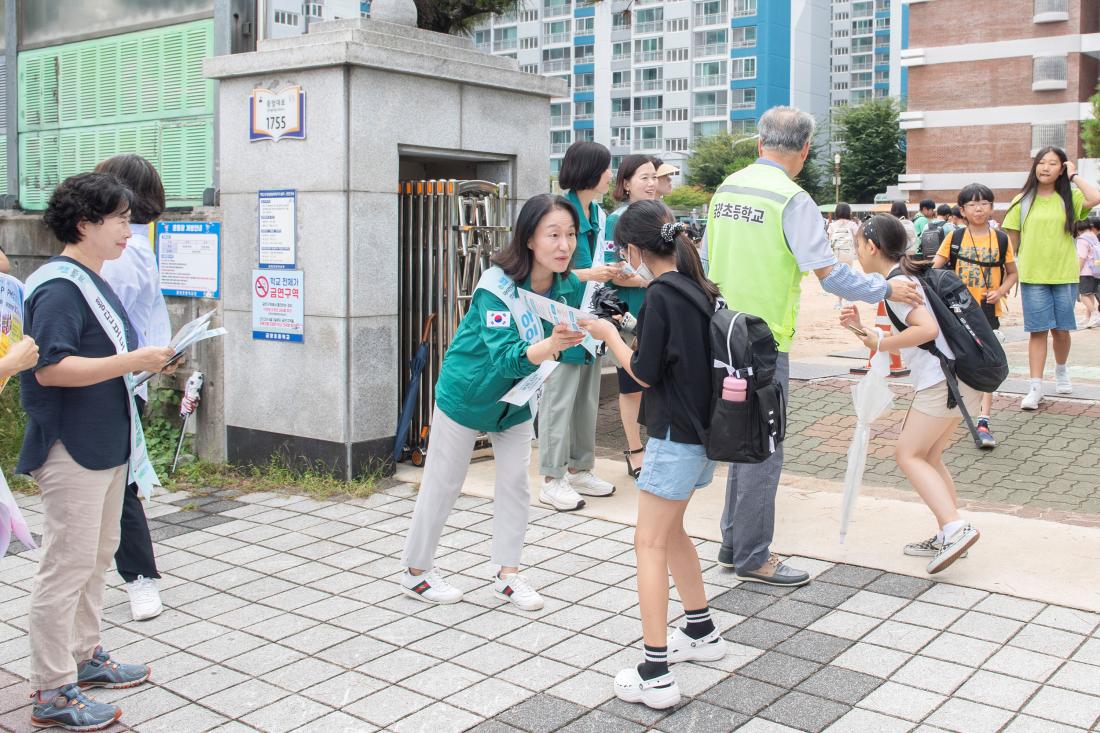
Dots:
pixel 672 361
pixel 930 424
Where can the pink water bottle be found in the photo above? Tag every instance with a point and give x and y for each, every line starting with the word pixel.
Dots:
pixel 735 389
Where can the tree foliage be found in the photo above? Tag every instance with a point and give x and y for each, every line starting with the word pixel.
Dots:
pixel 873 149
pixel 449 16
pixel 716 157
pixel 687 197
pixel 1090 129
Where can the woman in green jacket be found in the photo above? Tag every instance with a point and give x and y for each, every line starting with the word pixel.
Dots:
pixel 636 180
pixel 567 420
pixel 489 382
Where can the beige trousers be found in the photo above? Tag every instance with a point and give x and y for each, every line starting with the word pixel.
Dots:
pixel 83 509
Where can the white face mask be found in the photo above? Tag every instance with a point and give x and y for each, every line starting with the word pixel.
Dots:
pixel 641 269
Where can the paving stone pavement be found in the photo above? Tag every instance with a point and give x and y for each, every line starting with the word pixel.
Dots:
pixel 1044 466
pixel 283 614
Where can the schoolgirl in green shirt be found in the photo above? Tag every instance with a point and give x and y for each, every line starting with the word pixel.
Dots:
pixel 489 382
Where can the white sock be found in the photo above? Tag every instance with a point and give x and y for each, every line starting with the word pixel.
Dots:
pixel 1060 370
pixel 951 528
pixel 1037 385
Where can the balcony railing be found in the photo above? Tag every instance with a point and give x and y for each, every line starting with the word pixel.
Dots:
pixel 649 144
pixel 750 43
pixel 648 115
pixel 557 38
pixel 712 19
pixel 555 11
pixel 742 12
pixel 653 26
pixel 584 87
pixel 556 65
pixel 559 147
pixel 582 116
pixel 648 85
pixel 559 120
pixel 711 110
pixel 710 80
pixel 743 74
pixel 743 105
pixel 504 44
pixel 712 49
pixel 647 56
pixel 620 85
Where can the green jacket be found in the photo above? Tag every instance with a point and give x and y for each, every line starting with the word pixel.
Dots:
pixel 484 362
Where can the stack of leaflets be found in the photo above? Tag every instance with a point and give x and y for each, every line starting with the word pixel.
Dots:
pixel 188 335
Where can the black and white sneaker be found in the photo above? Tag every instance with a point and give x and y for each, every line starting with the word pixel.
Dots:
pixel 658 693
pixel 682 648
pixel 926 548
pixel 430 587
pixel 954 547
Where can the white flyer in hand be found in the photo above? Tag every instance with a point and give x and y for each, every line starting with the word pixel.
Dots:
pixel 189 334
pixel 554 312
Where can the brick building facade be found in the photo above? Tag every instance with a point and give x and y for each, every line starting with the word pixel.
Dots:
pixel 987 88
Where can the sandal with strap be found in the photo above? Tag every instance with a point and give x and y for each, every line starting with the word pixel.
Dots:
pixel 630 469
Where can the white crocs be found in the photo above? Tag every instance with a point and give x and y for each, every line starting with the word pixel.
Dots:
pixel 658 693
pixel 682 648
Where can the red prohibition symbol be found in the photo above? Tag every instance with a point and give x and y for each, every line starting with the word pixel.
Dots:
pixel 261 286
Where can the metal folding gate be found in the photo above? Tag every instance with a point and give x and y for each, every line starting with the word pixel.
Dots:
pixel 449 230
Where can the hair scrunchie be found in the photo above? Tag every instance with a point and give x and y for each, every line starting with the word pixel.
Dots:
pixel 669 230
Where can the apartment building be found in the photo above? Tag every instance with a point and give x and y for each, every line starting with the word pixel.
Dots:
pixel 283 18
pixel 995 88
pixel 867 38
pixel 653 76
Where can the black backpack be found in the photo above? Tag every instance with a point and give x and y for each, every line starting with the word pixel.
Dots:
pixel 741 345
pixel 980 361
pixel 931 238
pixel 956 248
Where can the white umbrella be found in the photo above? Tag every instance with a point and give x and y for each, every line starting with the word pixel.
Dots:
pixel 871 397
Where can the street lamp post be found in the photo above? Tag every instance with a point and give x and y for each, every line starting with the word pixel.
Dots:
pixel 836 177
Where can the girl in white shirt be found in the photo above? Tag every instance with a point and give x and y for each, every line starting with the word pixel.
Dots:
pixel 929 425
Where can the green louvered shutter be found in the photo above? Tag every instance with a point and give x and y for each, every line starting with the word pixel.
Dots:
pixel 138 93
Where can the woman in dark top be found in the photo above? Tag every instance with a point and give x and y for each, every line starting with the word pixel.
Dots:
pixel 673 364
pixel 82 444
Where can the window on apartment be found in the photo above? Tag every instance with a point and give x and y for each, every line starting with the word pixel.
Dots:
pixel 649 20
pixel 620 107
pixel 710 73
pixel 647 135
pixel 680 114
pixel 743 98
pixel 584 110
pixel 559 114
pixel 708 129
pixel 528 15
pixel 864 9
pixel 1048 133
pixel 283 17
pixel 676 85
pixel 676 54
pixel 742 8
pixel 1049 72
pixel 584 54
pixel 743 37
pixel 840 68
pixel 555 166
pixel 622 134
pixel 585 136
pixel 504 39
pixel 556 31
pixel 743 68
pixel 676 24
pixel 862 27
pixel 529 68
pixel 584 82
pixel 529 42
pixel 743 127
pixel 562 138
pixel 840 50
pixel 676 144
pixel 620 21
pixel 585 26
pixel 620 79
pixel 315 10
pixel 620 50
pixel 710 42
pixel 709 103
pixel 711 12
pixel 616 160
pixel 648 49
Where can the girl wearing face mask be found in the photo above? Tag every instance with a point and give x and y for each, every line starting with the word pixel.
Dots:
pixel 636 181
pixel 571 397
pixel 672 361
pixel 497 346
pixel 1040 224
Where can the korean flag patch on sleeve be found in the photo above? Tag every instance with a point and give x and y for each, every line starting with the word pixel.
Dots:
pixel 498 319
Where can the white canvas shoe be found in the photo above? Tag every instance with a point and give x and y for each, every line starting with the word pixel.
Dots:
pixel 144 598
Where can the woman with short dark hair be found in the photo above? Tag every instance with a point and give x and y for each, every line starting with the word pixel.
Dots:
pixel 136 281
pixel 567 418
pixel 82 445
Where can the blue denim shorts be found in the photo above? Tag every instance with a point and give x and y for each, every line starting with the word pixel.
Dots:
pixel 674 470
pixel 1049 307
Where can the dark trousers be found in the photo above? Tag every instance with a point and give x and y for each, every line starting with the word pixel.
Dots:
pixel 134 556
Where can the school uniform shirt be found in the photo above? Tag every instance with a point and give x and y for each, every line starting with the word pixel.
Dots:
pixel 978 280
pixel 673 357
pixel 1048 255
pixel 487 357
pixel 925 368
pixel 92 422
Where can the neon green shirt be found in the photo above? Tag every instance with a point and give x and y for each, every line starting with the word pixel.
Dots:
pixel 1048 253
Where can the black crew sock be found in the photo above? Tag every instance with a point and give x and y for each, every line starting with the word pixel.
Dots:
pixel 699 623
pixel 656 662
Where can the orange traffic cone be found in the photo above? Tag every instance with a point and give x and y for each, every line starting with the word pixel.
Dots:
pixel 882 322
